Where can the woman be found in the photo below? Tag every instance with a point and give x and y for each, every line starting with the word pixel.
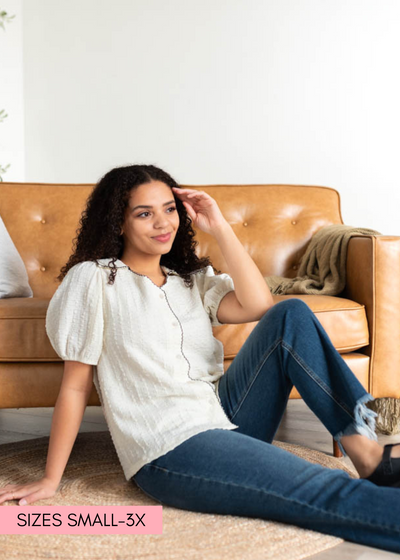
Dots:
pixel 138 304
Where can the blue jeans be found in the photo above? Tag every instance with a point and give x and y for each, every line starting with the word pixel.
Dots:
pixel 240 472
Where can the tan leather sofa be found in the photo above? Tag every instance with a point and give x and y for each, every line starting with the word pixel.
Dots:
pixel 274 222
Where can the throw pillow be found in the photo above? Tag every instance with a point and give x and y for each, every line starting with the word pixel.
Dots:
pixel 14 280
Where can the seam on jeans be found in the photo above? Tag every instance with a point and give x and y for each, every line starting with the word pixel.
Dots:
pixel 315 378
pixel 271 493
pixel 302 364
pixel 265 356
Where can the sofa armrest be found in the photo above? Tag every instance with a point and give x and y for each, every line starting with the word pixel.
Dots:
pixel 373 279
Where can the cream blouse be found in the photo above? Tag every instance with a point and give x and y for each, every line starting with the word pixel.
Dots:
pixel 157 361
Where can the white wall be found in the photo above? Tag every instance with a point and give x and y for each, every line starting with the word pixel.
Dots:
pixel 12 143
pixel 219 91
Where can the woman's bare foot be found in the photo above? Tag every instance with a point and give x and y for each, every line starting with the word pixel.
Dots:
pixel 365 453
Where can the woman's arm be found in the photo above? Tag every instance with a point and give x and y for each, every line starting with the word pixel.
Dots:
pixel 67 417
pixel 68 412
pixel 252 297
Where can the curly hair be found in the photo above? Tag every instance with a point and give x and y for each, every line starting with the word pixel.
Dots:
pixel 98 234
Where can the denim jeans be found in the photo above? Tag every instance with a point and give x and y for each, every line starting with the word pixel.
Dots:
pixel 240 472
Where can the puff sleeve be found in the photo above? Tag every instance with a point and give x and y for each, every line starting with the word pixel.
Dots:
pixel 213 287
pixel 74 319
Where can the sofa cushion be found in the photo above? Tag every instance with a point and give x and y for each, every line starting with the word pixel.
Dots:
pixel 344 320
pixel 23 336
pixel 13 276
pixel 22 330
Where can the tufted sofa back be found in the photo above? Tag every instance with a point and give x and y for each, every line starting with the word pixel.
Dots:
pixel 274 223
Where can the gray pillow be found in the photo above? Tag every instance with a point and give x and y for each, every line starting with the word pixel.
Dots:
pixel 13 275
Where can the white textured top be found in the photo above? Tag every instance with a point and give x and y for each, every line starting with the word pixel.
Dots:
pixel 156 357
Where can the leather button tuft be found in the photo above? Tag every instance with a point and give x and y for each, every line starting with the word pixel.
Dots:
pixel 295 267
pixel 43 268
pixel 43 221
pixel 294 222
pixel 245 224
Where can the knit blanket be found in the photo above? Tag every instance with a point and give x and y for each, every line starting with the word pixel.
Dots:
pixel 322 268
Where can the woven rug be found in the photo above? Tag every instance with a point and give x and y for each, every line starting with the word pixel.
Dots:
pixel 93 476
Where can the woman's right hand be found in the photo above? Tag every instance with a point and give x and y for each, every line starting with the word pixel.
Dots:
pixel 37 490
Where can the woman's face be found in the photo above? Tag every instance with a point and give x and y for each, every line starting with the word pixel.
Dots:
pixel 142 225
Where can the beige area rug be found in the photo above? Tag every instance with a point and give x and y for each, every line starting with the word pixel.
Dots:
pixel 93 476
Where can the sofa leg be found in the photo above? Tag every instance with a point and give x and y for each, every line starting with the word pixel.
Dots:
pixel 336 450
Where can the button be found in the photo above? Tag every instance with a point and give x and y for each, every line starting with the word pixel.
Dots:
pixel 294 222
pixel 295 267
pixel 43 268
pixel 43 221
pixel 245 224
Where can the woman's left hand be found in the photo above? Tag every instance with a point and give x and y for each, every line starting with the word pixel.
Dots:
pixel 202 209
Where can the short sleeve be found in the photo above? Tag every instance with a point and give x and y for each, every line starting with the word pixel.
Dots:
pixel 74 319
pixel 213 287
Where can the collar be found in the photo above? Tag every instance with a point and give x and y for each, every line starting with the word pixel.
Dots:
pixel 104 263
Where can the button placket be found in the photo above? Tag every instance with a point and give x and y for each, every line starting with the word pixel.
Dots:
pixel 180 356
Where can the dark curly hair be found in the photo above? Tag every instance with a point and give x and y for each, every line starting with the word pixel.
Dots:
pixel 98 234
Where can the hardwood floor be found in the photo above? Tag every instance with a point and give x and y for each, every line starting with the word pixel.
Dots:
pixel 299 425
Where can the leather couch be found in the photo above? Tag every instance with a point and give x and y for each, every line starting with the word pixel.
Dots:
pixel 274 222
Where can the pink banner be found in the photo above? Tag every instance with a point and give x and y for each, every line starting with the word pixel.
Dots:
pixel 80 520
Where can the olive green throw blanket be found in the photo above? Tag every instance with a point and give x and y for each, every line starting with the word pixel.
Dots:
pixel 322 271
pixel 322 268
